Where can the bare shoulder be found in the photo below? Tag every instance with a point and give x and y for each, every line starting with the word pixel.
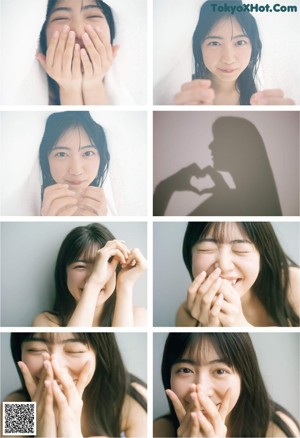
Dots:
pixel 140 388
pixel 275 432
pixel 294 288
pixel 134 418
pixel 162 427
pixel 183 319
pixel 45 319
pixel 140 316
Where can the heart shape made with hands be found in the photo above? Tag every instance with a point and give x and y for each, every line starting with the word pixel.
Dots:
pixel 202 183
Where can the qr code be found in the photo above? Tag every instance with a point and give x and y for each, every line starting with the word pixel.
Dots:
pixel 19 418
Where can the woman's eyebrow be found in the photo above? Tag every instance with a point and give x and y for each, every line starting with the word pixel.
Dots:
pixel 61 8
pixel 84 8
pixel 47 341
pixel 211 239
pixel 217 37
pixel 184 360
pixel 88 146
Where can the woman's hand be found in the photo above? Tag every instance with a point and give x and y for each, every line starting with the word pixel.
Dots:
pixel 58 200
pixel 96 58
pixel 68 398
pixel 113 253
pixel 130 271
pixel 270 97
pixel 62 63
pixel 230 312
pixel 92 202
pixel 197 92
pixel 204 300
pixel 193 422
pixel 42 394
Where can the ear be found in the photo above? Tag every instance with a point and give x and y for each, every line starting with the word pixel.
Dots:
pixel 42 60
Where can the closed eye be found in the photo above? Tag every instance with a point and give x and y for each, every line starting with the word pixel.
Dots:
pixel 59 19
pixel 95 16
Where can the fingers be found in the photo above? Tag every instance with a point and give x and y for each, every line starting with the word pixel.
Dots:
pixel 270 97
pixel 83 379
pixel 61 46
pixel 69 52
pixel 135 259
pixel 93 200
pixel 214 313
pixel 193 289
pixel 197 92
pixel 29 381
pixel 57 198
pixel 64 378
pixel 224 408
pixel 178 407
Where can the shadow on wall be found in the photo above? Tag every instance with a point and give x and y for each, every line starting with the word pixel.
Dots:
pixel 240 183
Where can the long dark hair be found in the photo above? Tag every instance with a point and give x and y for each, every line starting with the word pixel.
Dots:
pixel 208 17
pixel 271 285
pixel 57 124
pixel 105 394
pixel 254 409
pixel 54 98
pixel 81 241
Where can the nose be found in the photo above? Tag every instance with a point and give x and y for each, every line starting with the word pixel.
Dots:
pixel 77 25
pixel 76 167
pixel 205 384
pixel 224 260
pixel 228 54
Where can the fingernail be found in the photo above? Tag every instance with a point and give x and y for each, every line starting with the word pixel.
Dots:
pixel 56 33
pixel 66 28
pixel 217 271
pixel 89 27
pixel 20 365
pixel 85 36
pixel 72 35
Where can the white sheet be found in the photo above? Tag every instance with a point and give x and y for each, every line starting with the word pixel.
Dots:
pixel 22 80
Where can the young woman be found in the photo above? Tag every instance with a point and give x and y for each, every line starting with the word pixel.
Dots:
pixel 215 389
pixel 94 279
pixel 76 51
pixel 74 161
pixel 80 385
pixel 240 277
pixel 227 51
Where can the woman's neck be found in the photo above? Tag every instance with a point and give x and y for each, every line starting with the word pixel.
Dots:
pixel 226 93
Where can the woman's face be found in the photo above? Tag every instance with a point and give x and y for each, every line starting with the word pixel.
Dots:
pixel 73 160
pixel 236 256
pixel 79 272
pixel 70 353
pixel 77 14
pixel 209 370
pixel 226 50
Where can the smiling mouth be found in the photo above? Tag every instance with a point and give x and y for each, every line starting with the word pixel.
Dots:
pixel 76 183
pixel 233 281
pixel 227 70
